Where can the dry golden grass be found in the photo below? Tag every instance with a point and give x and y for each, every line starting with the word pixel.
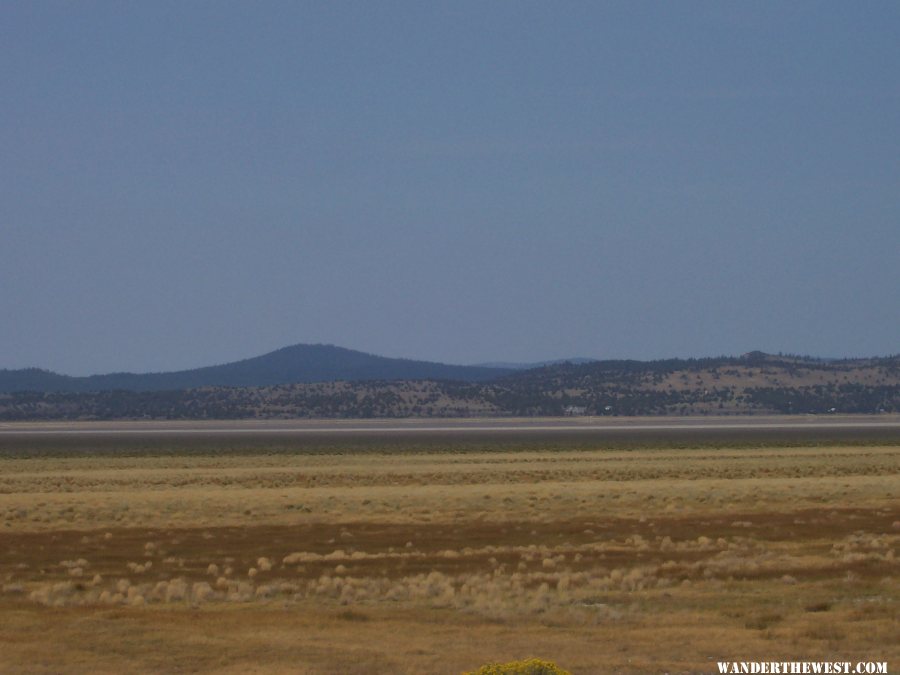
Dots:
pixel 601 561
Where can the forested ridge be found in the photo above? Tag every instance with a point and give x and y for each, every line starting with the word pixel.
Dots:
pixel 755 383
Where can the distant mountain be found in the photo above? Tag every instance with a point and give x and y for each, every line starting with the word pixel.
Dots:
pixel 754 383
pixel 290 365
pixel 513 365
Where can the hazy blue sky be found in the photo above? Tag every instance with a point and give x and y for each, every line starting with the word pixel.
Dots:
pixel 188 183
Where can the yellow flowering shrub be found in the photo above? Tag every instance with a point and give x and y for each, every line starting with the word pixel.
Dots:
pixel 526 667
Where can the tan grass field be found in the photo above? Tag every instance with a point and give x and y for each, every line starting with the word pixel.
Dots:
pixel 639 561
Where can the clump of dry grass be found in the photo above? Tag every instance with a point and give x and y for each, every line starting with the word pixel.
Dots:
pixel 201 591
pixel 175 590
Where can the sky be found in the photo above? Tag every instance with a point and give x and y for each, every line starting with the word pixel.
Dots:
pixel 191 183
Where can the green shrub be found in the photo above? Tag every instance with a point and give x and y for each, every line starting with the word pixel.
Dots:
pixel 526 667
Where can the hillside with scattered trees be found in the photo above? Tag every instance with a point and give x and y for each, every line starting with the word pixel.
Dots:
pixel 755 383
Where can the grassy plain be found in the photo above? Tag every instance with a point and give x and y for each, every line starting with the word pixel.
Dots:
pixel 430 560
